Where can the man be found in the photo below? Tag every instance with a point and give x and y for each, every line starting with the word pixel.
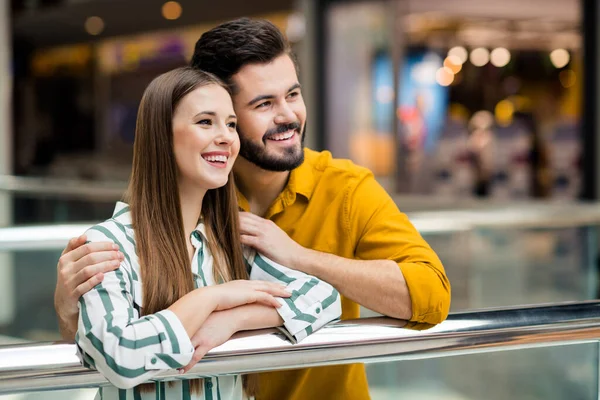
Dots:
pixel 304 209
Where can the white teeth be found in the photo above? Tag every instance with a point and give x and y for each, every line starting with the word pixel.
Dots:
pixel 215 158
pixel 282 136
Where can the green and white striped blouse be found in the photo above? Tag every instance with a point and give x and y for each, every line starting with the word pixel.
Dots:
pixel 129 350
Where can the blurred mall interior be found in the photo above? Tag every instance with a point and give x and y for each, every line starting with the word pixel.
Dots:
pixel 480 117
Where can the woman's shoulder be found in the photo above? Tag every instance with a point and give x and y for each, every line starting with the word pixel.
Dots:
pixel 117 229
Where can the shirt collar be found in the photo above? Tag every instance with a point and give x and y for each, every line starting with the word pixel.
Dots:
pixel 199 234
pixel 302 179
pixel 122 213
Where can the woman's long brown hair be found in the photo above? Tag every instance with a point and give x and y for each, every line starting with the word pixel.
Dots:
pixel 153 196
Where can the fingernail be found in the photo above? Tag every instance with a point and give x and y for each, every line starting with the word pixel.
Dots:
pixel 115 246
pixel 121 255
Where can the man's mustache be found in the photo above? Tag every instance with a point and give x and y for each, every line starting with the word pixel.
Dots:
pixel 292 126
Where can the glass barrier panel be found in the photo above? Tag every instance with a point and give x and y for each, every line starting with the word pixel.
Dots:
pixel 32 281
pixel 29 209
pixel 499 267
pixel 549 373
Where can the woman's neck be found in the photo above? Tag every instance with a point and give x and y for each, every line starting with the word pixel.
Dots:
pixel 191 208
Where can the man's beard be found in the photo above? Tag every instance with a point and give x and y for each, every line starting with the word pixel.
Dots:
pixel 257 153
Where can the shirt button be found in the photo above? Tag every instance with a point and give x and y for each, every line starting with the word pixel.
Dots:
pixel 318 310
pixel 209 385
pixel 153 361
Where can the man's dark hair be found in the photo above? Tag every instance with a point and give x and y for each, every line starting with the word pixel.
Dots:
pixel 225 49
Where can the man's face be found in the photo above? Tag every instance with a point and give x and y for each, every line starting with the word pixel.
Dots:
pixel 271 114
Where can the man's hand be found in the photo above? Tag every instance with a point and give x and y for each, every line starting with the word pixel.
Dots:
pixel 215 331
pixel 80 268
pixel 267 238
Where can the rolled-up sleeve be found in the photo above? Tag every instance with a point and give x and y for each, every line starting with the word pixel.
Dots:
pixel 385 233
pixel 313 302
pixel 126 348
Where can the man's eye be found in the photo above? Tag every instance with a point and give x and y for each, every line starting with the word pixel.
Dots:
pixel 263 105
pixel 205 122
pixel 293 94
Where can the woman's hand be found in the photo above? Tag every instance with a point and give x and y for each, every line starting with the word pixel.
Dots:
pixel 195 308
pixel 240 292
pixel 215 331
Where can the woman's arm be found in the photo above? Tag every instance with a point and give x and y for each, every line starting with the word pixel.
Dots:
pixel 128 349
pixel 313 302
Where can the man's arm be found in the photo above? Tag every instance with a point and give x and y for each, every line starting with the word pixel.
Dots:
pixel 80 268
pixel 394 271
pixel 378 284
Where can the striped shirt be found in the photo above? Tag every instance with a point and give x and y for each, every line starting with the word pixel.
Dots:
pixel 129 349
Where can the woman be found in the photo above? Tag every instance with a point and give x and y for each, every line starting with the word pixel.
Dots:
pixel 181 288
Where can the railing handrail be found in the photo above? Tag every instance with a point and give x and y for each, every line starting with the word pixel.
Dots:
pixel 63 188
pixel 429 214
pixel 40 367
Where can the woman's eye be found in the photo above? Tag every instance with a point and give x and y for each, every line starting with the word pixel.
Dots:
pixel 232 125
pixel 205 122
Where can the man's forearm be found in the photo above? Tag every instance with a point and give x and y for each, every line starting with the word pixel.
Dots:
pixel 376 284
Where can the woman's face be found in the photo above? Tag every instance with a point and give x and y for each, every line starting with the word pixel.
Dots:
pixel 205 140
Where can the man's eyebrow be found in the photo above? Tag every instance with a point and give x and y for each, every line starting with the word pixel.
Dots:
pixel 271 96
pixel 261 98
pixel 294 87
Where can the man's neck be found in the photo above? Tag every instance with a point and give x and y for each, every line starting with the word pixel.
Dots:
pixel 259 187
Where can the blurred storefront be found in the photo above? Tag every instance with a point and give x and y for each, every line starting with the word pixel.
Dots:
pixel 75 101
pixel 461 98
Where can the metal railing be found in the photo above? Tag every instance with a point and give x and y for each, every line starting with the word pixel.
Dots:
pixel 38 367
pixel 47 237
pixel 62 188
pixel 430 214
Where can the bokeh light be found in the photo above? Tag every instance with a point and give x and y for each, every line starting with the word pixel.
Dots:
pixel 94 25
pixel 500 57
pixel 560 58
pixel 444 76
pixel 171 10
pixel 479 56
pixel 460 52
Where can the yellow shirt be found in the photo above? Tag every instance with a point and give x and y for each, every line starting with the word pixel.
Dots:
pixel 334 206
